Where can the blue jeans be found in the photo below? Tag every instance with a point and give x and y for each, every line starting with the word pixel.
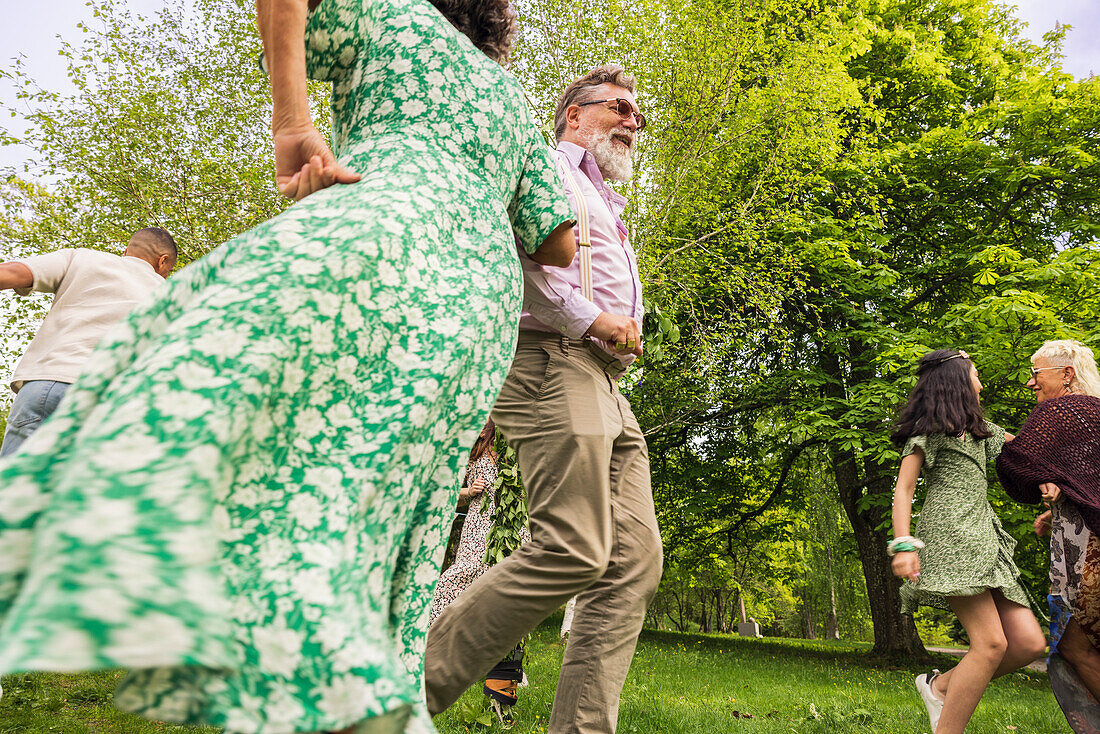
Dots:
pixel 33 404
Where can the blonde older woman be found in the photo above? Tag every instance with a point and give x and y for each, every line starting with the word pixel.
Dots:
pixel 1056 458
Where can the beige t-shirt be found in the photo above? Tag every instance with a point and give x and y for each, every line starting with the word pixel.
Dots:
pixel 95 290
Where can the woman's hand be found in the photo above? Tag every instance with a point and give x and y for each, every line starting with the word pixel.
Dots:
pixel 304 164
pixel 1050 492
pixel 1042 523
pixel 906 565
pixel 303 161
pixel 478 488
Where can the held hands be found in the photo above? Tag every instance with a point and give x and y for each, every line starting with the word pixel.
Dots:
pixel 906 565
pixel 621 332
pixel 478 488
pixel 1042 524
pixel 304 164
pixel 1050 492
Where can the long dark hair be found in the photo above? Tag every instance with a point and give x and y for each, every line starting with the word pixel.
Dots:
pixel 943 400
pixel 490 24
pixel 485 440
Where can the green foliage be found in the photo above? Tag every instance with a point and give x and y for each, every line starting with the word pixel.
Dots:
pixel 831 189
pixel 57 703
pixel 696 684
pixel 510 516
pixel 827 189
pixel 678 684
pixel 473 712
pixel 659 332
pixel 168 125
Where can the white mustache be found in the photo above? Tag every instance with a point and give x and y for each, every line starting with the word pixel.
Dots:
pixel 624 131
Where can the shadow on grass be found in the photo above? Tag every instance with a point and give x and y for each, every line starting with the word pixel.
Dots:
pixel 854 654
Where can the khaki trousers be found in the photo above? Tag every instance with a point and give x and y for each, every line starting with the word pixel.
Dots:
pixel 593 534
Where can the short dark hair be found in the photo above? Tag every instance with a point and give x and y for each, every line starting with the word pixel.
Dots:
pixel 156 242
pixel 943 400
pixel 489 24
pixel 580 90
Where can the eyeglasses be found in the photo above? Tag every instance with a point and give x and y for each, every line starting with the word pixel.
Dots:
pixel 623 106
pixel 1036 370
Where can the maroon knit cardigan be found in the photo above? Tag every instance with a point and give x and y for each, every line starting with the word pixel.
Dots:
pixel 1059 443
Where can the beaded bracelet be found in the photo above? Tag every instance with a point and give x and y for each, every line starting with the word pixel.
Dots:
pixel 904 544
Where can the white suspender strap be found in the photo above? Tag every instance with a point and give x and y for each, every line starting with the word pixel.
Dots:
pixel 585 241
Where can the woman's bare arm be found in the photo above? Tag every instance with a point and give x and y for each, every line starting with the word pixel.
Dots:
pixel 303 162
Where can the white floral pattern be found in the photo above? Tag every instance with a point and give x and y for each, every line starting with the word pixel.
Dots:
pixel 243 500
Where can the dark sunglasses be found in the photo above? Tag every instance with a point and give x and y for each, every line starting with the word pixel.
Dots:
pixel 623 107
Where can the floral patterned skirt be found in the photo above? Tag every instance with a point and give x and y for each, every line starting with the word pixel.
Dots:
pixel 244 498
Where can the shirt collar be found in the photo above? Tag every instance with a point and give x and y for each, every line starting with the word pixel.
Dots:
pixel 583 161
pixel 142 260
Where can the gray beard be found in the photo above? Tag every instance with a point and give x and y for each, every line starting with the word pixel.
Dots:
pixel 614 162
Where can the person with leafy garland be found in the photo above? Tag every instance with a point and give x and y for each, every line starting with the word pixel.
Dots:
pixel 473 557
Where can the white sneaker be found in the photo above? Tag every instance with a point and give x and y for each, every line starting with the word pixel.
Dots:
pixel 932 702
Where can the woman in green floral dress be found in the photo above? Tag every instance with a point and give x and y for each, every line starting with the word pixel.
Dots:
pixel 962 557
pixel 244 498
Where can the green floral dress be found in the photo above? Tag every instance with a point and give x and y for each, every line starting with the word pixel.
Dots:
pixel 244 499
pixel 966 549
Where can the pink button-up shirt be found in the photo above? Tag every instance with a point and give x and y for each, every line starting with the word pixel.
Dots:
pixel 552 299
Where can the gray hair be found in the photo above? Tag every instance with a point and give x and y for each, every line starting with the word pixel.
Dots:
pixel 580 90
pixel 1070 353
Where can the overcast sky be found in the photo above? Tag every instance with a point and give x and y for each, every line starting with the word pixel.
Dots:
pixel 31 29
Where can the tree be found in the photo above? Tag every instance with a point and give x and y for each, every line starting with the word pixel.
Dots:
pixel 168 125
pixel 960 211
pixel 836 188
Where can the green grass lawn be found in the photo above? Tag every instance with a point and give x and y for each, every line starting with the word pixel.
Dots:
pixel 678 684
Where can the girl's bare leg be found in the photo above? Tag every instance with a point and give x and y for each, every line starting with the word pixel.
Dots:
pixel 1026 641
pixel 1022 633
pixel 967 681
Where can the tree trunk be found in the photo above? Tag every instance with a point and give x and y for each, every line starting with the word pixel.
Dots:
pixel 720 610
pixel 809 620
pixel 895 633
pixel 681 625
pixel 741 604
pixel 832 625
pixel 809 611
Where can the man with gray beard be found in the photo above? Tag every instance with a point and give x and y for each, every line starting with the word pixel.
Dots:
pixel 581 453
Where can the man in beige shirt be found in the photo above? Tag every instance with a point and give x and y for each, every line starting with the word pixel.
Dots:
pixel 94 291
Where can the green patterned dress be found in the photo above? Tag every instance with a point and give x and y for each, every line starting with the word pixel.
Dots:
pixel 966 549
pixel 244 499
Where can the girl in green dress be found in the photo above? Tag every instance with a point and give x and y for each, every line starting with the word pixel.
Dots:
pixel 961 558
pixel 243 500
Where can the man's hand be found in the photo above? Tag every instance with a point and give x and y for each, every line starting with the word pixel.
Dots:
pixel 621 332
pixel 304 164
